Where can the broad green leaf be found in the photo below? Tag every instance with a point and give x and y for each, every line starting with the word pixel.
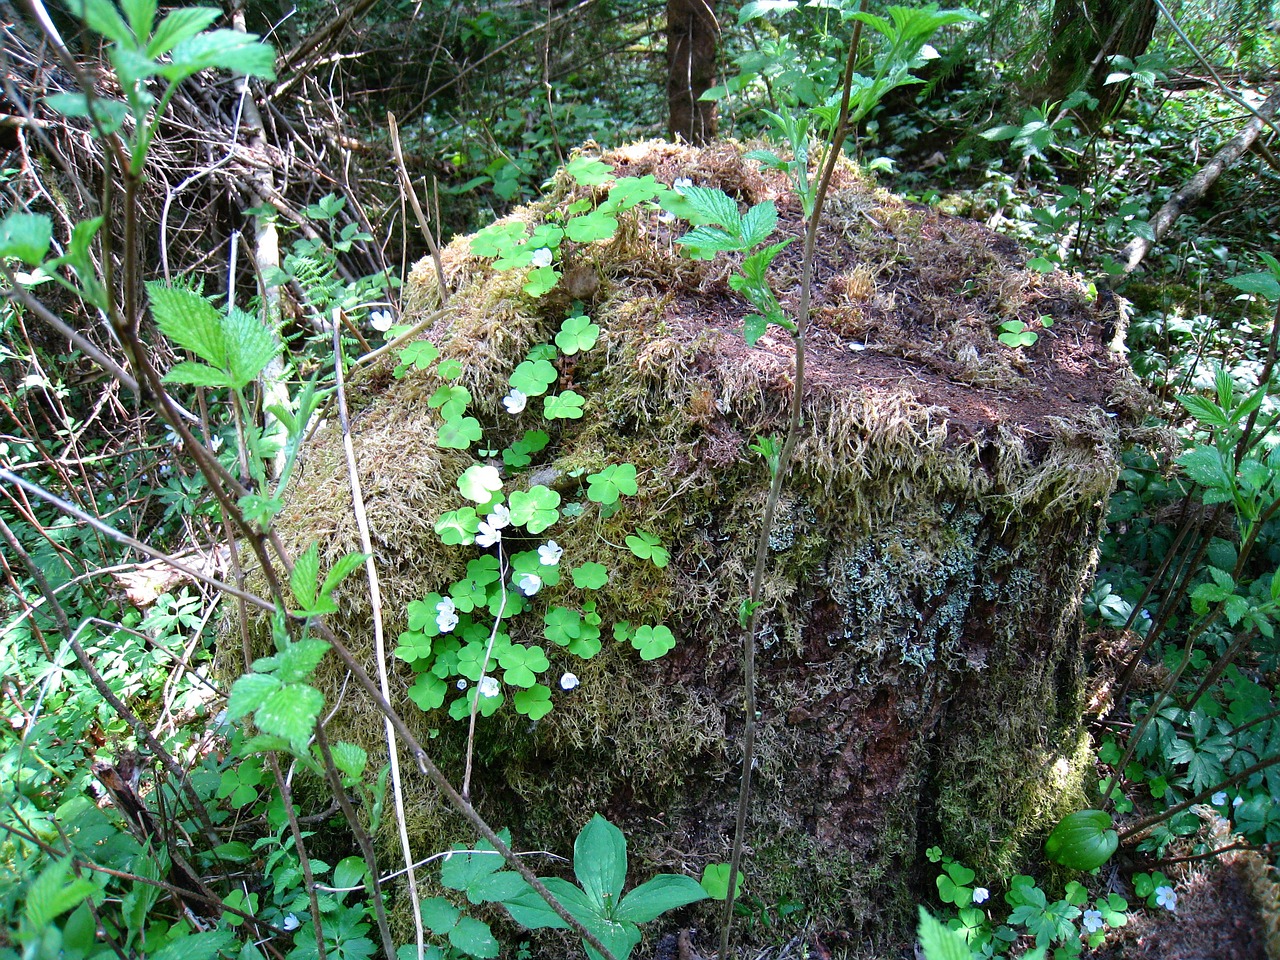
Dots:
pixel 710 238
pixel 1082 840
pixel 664 892
pixel 108 115
pixel 53 893
pixel 182 24
pixel 297 661
pixel 474 938
pixel 251 346
pixel 25 237
pixel 715 207
pixel 196 374
pixel 940 943
pixel 439 915
pixel 230 50
pixel 600 862
pixel 428 692
pixel 528 909
pixel 563 406
pixel 533 377
pixel 451 400
pixel 612 482
pixel 190 321
pixel 590 227
pixel 1204 465
pixel 349 872
pixel 593 576
pixel 715 881
pixel 465 866
pixel 350 759
pixel 653 642
pixel 249 692
pixel 534 509
pixel 1265 285
pixel 207 945
pixel 541 280
pixel 102 17
pixel 290 712
pixel 306 576
pixel 758 223
pixel 534 703
pixel 142 16
pixel 458 526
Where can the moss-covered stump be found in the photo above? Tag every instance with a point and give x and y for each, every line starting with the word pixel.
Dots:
pixel 921 666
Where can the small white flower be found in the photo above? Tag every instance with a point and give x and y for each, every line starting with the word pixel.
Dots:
pixel 514 401
pixel 1145 614
pixel 1167 898
pixel 381 320
pixel 1092 921
pixel 461 685
pixel 489 687
pixel 1237 801
pixel 215 443
pixel 291 922
pixel 446 620
pixel 500 517
pixel 488 534
pixel 541 258
pixel 550 553
pixel 980 894
pixel 568 681
pixel 681 185
pixel 529 584
pixel 446 605
pixel 1219 799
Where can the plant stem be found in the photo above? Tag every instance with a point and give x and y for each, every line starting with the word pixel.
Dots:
pixel 780 473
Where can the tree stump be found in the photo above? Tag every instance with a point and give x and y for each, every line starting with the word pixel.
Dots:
pixel 922 666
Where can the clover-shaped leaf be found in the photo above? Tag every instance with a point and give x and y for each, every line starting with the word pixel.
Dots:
pixel 498 238
pixel 564 406
pixel 458 433
pixel 521 665
pixel 589 172
pixel 428 691
pixel 648 547
pixel 528 563
pixel 470 659
pixel 519 453
pixel 535 508
pixel 479 482
pixel 652 642
pixel 461 708
pixel 588 227
pixel 533 377
pixel 452 401
pixel 587 644
pixel 590 575
pixel 534 703
pixel 612 482
pixel 458 526
pixel 562 625
pixel 577 333
pixel 416 356
pixel 413 646
pixel 541 280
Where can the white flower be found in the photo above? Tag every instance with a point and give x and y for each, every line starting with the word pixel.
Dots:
pixel 681 185
pixel 1219 799
pixel 446 605
pixel 541 258
pixel 1092 921
pixel 1145 614
pixel 550 553
pixel 291 922
pixel 461 685
pixel 489 687
pixel 500 517
pixel 980 894
pixel 529 584
pixel 1167 898
pixel 488 534
pixel 381 320
pixel 568 681
pixel 1237 801
pixel 514 401
pixel 446 620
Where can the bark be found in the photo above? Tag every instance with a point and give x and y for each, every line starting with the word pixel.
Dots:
pixel 692 36
pixel 1084 37
pixel 1194 189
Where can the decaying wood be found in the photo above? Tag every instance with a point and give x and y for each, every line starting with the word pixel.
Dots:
pixel 1195 188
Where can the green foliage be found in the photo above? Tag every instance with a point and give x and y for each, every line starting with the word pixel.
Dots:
pixel 1083 840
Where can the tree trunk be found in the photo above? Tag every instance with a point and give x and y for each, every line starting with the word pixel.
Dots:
pixel 692 35
pixel 1084 36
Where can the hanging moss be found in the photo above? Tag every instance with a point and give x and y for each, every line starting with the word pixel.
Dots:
pixel 921 658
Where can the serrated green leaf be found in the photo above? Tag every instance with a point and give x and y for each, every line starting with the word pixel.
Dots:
pixel 102 17
pixel 474 938
pixel 299 659
pixel 462 868
pixel 52 894
pixel 190 321
pixel 938 942
pixel 349 758
pixel 760 221
pixel 439 915
pixel 710 238
pixel 345 566
pixel 241 53
pixel 305 576
pixel 249 692
pixel 1265 285
pixel 195 946
pixel 716 207
pixel 753 328
pixel 290 713
pixel 195 374
pixel 1205 411
pixel 251 345
pixel 182 24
